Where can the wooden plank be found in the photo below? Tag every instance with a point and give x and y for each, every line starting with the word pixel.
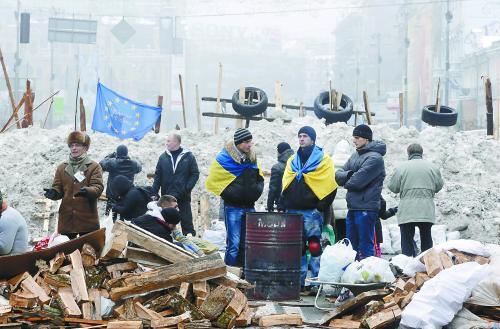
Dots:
pixel 65 269
pixel 339 99
pixel 145 257
pixel 123 267
pixel 9 89
pixel 245 318
pixel 367 108
pixel 200 289
pixel 83 121
pixel 383 319
pixel 84 321
pixel 237 116
pixel 95 298
pixel 78 284
pixel 171 321
pixel 239 122
pixel 218 103
pixel 124 325
pixel 182 101
pixel 115 247
pixel 57 280
pixel 420 278
pixel 407 299
pixel 184 289
pixel 489 106
pixel 199 301
pixel 16 281
pixel 238 303
pixel 76 259
pixel 410 285
pixel 432 262
pixel 438 99
pixel 89 255
pixel 67 302
pixel 145 313
pixel 23 299
pixel 208 267
pixel 280 319
pixel 56 262
pixel 345 324
pixel 445 259
pixel 31 286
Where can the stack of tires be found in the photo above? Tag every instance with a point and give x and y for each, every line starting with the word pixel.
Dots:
pixel 322 108
pixel 447 116
pixel 249 110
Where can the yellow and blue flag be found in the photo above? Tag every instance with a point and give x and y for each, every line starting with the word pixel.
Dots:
pixel 224 171
pixel 121 117
pixel 318 173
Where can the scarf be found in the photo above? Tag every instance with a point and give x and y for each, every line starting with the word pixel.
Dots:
pixel 77 164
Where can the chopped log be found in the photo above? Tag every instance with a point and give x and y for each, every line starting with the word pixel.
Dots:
pixel 445 259
pixel 280 319
pixel 199 324
pixel 95 298
pixel 87 310
pixel 398 298
pixel 384 319
pixel 56 262
pixel 79 285
pixel 67 302
pixel 85 321
pixel 129 312
pixel 95 277
pixel 16 281
pixel 48 289
pixel 142 256
pixel 226 320
pixel 123 267
pixel 145 313
pixel 481 260
pixel 124 325
pixel 57 280
pixel 400 284
pixel 410 285
pixel 407 299
pixel 115 247
pixel 345 324
pixel 76 259
pixel 201 289
pixel 181 305
pixel 208 267
pixel 165 313
pixel 65 269
pixel 217 301
pixel 199 301
pixel 460 257
pixel 420 278
pixel 184 289
pixel 171 321
pixel 31 286
pixel 432 263
pixel 245 318
pixel 235 270
pixel 89 255
pixel 23 299
pixel 238 303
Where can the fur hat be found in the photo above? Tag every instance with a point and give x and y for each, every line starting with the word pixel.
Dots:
pixel 79 138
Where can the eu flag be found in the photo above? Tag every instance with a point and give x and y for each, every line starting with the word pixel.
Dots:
pixel 121 117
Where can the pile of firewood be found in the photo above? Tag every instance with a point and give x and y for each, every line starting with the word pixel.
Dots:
pixel 382 308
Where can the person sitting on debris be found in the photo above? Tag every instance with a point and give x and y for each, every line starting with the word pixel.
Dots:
pixel 416 181
pixel 13 230
pixel 160 223
pixel 384 214
pixel 236 177
pixel 118 163
pixel 275 183
pixel 78 182
pixel 131 202
pixel 309 187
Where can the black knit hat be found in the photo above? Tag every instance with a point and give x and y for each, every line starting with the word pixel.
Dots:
pixel 363 131
pixel 309 131
pixel 171 215
pixel 283 146
pixel 242 135
pixel 121 151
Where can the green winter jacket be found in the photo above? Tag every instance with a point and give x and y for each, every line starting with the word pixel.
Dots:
pixel 416 181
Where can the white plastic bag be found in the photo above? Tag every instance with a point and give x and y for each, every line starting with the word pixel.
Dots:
pixel 217 238
pixel 334 260
pixel 108 225
pixel 368 270
pixel 56 239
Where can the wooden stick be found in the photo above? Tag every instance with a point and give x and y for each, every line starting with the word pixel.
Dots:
pixel 330 98
pixel 48 111
pixel 339 99
pixel 401 105
pixel 182 101
pixel 83 122
pixel 158 122
pixel 333 97
pixel 489 106
pixel 278 96
pixel 9 88
pixel 367 108
pixel 28 106
pixel 198 111
pixel 21 102
pixel 438 100
pixel 217 104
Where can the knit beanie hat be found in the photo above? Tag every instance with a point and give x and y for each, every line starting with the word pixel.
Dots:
pixel 242 135
pixel 309 131
pixel 121 151
pixel 363 131
pixel 171 215
pixel 283 146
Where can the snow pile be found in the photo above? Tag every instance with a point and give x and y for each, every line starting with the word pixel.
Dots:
pixel 468 162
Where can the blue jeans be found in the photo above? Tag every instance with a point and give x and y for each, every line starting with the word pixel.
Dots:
pixel 234 218
pixel 313 226
pixel 360 230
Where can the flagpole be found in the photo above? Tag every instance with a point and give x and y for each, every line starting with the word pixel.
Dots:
pixel 76 100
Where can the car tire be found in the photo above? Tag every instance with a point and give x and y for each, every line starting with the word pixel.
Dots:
pixel 322 110
pixel 447 116
pixel 249 110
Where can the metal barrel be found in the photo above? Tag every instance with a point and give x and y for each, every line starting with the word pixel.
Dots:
pixel 273 250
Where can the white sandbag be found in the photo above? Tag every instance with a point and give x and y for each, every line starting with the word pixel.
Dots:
pixel 386 246
pixel 217 238
pixel 395 238
pixel 334 260
pixel 453 235
pixel 413 266
pixel 465 245
pixel 440 298
pixel 438 233
pixel 487 292
pixel 465 319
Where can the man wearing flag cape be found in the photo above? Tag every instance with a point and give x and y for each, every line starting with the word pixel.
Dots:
pixel 238 180
pixel 309 188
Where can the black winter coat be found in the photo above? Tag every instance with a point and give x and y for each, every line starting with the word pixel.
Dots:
pixel 119 166
pixel 244 190
pixel 131 202
pixel 276 181
pixel 176 179
pixel 153 225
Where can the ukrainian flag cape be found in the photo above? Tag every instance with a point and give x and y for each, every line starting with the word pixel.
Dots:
pixel 224 171
pixel 318 173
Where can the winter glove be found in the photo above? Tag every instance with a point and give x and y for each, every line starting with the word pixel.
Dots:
pixel 390 212
pixel 51 194
pixel 112 155
pixel 82 193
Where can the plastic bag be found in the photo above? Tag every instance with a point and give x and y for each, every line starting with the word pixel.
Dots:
pixel 108 225
pixel 334 261
pixel 368 270
pixel 487 292
pixel 56 239
pixel 217 238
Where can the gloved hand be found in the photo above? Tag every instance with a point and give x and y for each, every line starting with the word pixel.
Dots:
pixel 112 155
pixel 51 194
pixel 392 211
pixel 349 175
pixel 82 193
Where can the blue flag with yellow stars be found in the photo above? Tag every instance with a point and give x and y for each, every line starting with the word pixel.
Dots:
pixel 121 117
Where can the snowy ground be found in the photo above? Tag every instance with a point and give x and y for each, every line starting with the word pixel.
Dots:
pixel 468 161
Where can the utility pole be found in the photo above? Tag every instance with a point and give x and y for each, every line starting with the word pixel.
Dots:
pixel 449 17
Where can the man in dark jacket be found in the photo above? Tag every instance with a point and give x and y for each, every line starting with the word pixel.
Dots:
pixel 275 185
pixel 308 189
pixel 160 224
pixel 363 176
pixel 131 201
pixel 236 177
pixel 176 174
pixel 118 163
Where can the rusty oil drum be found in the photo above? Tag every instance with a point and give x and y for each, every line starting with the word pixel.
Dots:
pixel 273 250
